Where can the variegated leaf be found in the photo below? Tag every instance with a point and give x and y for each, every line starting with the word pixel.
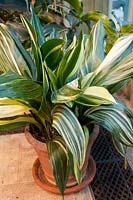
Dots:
pixel 72 60
pixel 88 96
pixel 93 96
pixel 59 161
pixel 10 55
pixel 94 48
pixel 120 147
pixel 12 110
pixel 52 50
pixel 114 121
pixel 118 55
pixel 35 48
pixel 68 93
pixel 37 26
pixel 68 126
pixel 20 89
pixel 123 70
pixel 14 123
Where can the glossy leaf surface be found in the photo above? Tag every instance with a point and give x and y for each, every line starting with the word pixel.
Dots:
pixel 67 125
pixel 59 161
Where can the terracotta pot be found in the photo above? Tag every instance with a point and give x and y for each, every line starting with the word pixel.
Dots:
pixel 42 170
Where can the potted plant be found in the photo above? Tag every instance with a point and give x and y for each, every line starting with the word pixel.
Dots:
pixel 63 92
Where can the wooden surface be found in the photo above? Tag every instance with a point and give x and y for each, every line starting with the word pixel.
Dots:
pixel 16 182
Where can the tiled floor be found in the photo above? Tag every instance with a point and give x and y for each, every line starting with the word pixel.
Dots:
pixel 16 182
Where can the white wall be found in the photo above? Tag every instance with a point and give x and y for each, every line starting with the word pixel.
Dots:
pixel 99 5
pixel 130 11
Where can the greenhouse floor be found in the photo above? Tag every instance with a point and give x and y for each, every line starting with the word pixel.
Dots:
pixel 16 181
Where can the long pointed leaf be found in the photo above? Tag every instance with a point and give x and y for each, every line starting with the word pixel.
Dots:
pixel 67 125
pixel 25 55
pixel 21 89
pixel 52 50
pixel 59 160
pixel 123 70
pixel 10 55
pixel 120 51
pixel 88 96
pixel 68 93
pixel 71 61
pixel 35 47
pixel 96 16
pixel 93 96
pixel 95 47
pixel 14 123
pixel 12 110
pixel 9 76
pixel 121 148
pixel 114 121
pixel 37 26
pixel 45 91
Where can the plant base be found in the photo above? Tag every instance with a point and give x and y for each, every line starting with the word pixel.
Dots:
pixel 42 181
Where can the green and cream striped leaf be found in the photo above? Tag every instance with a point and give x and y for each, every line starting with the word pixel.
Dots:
pixel 27 57
pixel 121 46
pixel 114 121
pixel 21 89
pixel 59 160
pixel 120 147
pixel 123 70
pixel 67 93
pixel 52 77
pixel 12 110
pixel 94 95
pixel 68 126
pixel 112 88
pixel 52 50
pixel 37 26
pixel 89 96
pixel 32 32
pixel 72 60
pixel 35 48
pixel 96 16
pixel 9 76
pixel 10 55
pixel 98 35
pixel 86 133
pixel 13 107
pixel 44 90
pixel 119 52
pixel 73 165
pixel 6 101
pixel 87 80
pixel 94 48
pixel 14 123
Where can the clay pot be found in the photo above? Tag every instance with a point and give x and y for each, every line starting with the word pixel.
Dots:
pixel 43 174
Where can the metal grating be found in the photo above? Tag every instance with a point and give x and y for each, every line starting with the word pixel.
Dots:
pixel 112 181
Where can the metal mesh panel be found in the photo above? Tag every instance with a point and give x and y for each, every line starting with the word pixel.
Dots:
pixel 112 181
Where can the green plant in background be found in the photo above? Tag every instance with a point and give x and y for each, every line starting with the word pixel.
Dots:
pixel 68 16
pixel 63 90
pixel 59 17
